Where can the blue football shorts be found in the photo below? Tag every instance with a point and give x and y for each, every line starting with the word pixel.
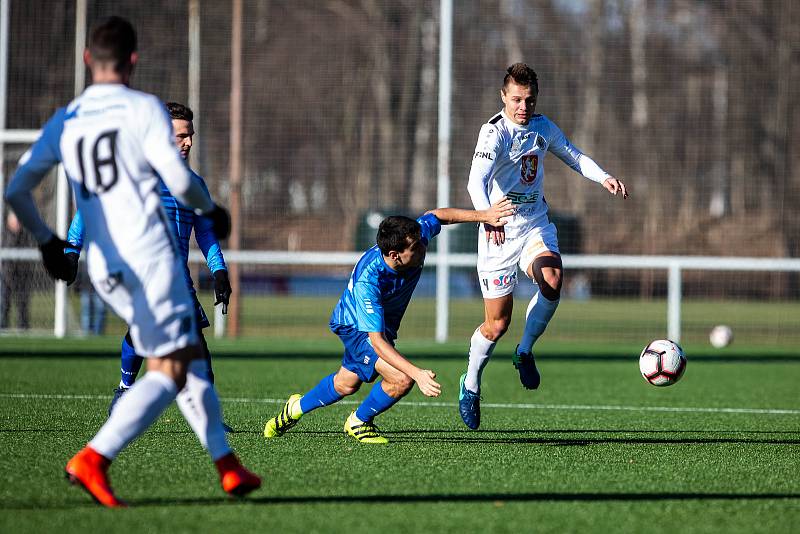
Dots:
pixel 359 356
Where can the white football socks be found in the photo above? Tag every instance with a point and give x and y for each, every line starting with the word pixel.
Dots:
pixel 480 349
pixel 540 311
pixel 134 413
pixel 200 407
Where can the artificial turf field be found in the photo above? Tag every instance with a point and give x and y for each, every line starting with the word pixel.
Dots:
pixel 596 449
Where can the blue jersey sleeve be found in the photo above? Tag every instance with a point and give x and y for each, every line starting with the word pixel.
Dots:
pixel 430 226
pixel 75 234
pixel 369 308
pixel 206 240
pixel 33 166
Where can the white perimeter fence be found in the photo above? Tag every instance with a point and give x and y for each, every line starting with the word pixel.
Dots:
pixel 673 265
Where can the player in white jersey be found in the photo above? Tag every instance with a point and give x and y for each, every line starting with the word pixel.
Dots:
pixel 509 161
pixel 113 142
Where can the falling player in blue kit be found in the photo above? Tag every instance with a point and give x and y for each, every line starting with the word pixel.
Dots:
pixel 181 222
pixel 367 318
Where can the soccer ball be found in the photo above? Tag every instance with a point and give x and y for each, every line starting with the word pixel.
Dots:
pixel 720 336
pixel 662 362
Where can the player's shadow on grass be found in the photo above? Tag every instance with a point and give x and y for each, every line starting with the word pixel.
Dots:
pixel 591 437
pixel 461 431
pixel 420 498
pixel 469 497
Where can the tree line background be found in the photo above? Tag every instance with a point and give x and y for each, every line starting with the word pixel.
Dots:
pixel 694 104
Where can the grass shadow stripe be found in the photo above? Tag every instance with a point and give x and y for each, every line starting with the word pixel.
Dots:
pixel 427 499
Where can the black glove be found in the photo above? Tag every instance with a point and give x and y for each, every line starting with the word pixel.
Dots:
pixel 56 263
pixel 72 257
pixel 220 221
pixel 222 289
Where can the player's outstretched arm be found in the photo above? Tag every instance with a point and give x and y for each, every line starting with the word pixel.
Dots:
pixel 493 215
pixel 425 378
pixel 615 186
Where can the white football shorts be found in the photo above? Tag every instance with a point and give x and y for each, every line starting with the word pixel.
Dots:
pixel 497 264
pixel 151 297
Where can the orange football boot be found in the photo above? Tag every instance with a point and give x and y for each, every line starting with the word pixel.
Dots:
pixel 88 469
pixel 236 480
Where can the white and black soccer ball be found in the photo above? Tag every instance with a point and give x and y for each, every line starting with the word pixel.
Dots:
pixel 662 362
pixel 720 336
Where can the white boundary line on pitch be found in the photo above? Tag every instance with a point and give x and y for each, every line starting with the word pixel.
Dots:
pixel 436 404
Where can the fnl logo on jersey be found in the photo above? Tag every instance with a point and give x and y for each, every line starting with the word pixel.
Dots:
pixel 501 282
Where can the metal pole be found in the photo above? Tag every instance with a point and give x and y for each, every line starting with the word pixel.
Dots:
pixel 235 165
pixel 62 216
pixel 193 101
pixel 63 196
pixel 674 292
pixel 4 13
pixel 193 93
pixel 443 166
pixel 80 44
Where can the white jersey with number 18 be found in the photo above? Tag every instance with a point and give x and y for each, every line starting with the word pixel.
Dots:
pixel 112 141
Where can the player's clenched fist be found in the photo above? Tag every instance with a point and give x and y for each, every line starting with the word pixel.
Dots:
pixel 427 385
pixel 57 265
pixel 222 289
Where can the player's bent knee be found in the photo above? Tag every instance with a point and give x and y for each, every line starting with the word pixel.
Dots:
pixel 345 385
pixel 398 385
pixel 405 384
pixel 176 364
pixel 494 329
pixel 344 389
pixel 547 271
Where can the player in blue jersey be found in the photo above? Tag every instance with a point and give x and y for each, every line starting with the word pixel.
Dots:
pixel 367 318
pixel 182 220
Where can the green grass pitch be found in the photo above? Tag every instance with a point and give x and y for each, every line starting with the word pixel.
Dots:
pixel 596 449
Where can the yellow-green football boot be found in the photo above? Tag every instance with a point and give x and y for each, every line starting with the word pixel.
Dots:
pixel 363 432
pixel 286 419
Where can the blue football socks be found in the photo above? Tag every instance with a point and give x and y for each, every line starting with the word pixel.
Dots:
pixel 376 403
pixel 321 395
pixel 130 363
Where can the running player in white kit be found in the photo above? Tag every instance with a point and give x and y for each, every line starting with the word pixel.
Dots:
pixel 115 143
pixel 509 161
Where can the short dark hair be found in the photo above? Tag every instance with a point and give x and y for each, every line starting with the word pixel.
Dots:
pixel 395 232
pixel 113 40
pixel 179 111
pixel 521 74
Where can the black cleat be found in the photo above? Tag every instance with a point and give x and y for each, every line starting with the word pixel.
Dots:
pixel 528 373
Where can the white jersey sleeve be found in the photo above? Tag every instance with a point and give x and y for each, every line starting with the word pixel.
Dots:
pixel 559 145
pixel 162 155
pixel 33 167
pixel 488 149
